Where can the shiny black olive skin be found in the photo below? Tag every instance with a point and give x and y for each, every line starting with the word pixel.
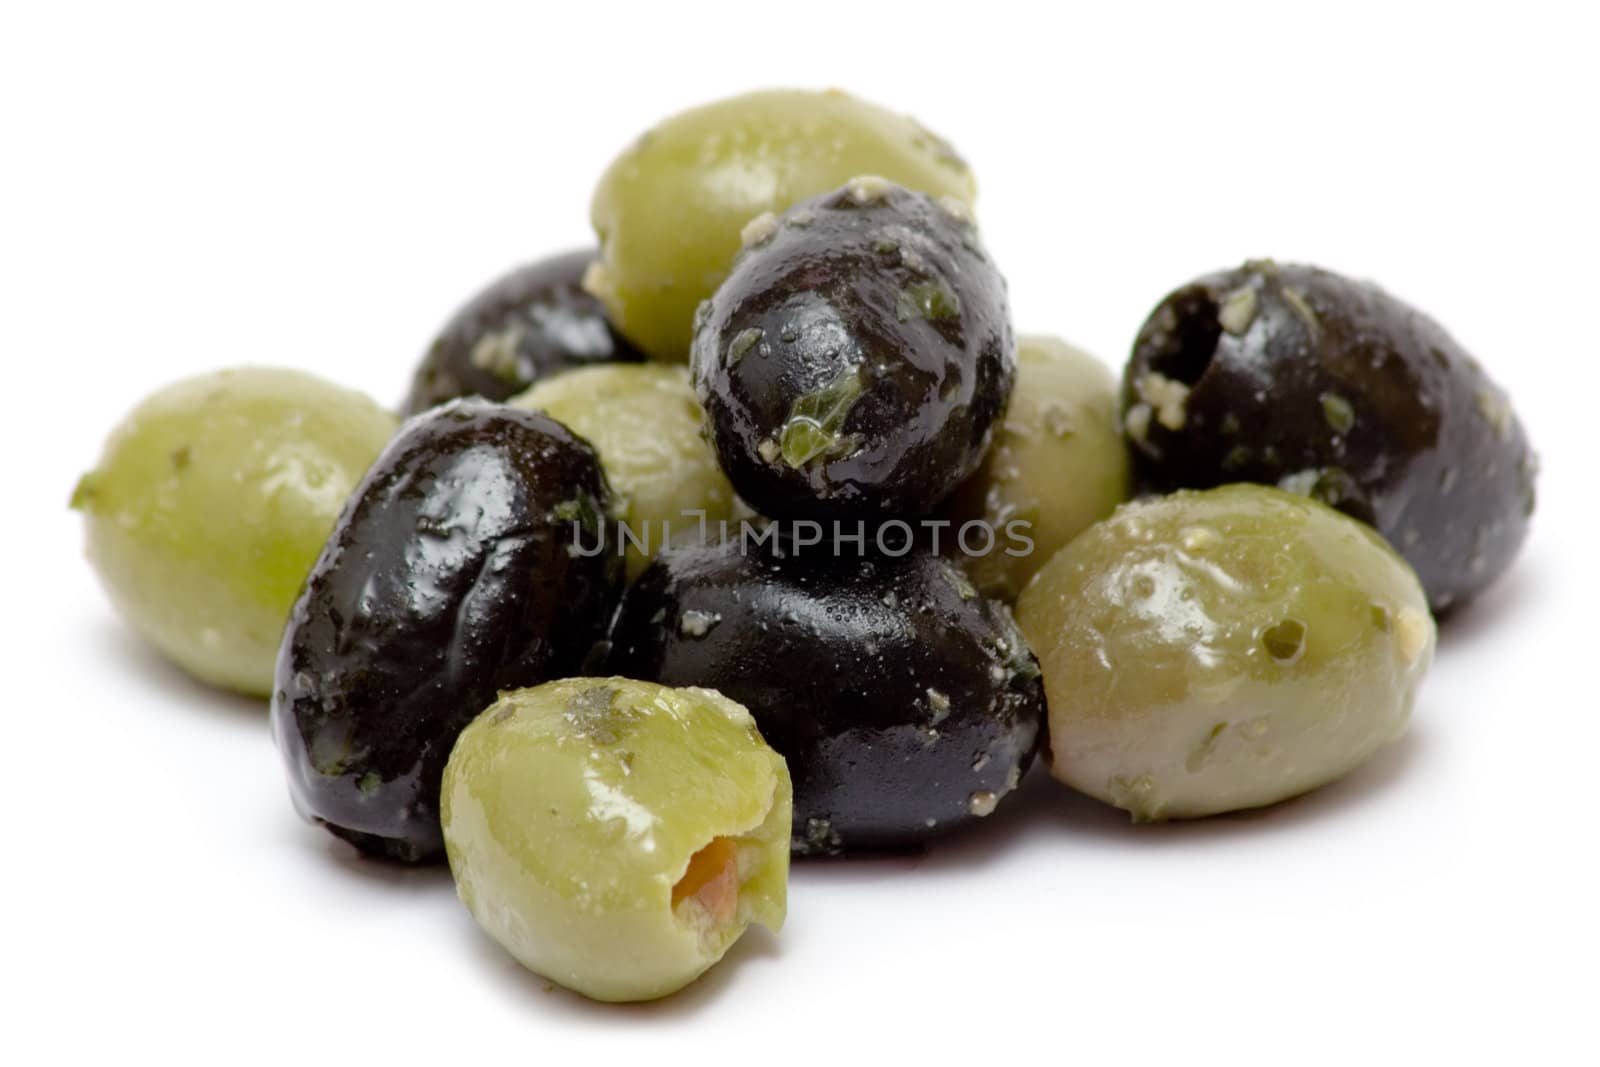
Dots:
pixel 447 579
pixel 905 704
pixel 854 362
pixel 530 324
pixel 1299 377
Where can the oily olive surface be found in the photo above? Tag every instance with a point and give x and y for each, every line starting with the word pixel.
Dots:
pixel 856 361
pixel 617 836
pixel 1223 649
pixel 209 504
pixel 1057 465
pixel 669 210
pixel 905 704
pixel 532 323
pixel 450 576
pixel 645 423
pixel 1298 377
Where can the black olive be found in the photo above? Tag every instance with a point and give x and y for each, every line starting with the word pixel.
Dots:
pixel 905 704
pixel 457 569
pixel 1298 377
pixel 855 360
pixel 534 322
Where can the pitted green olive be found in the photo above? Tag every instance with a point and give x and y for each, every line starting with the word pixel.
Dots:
pixel 617 836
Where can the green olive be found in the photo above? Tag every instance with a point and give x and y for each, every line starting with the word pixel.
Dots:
pixel 669 211
pixel 615 836
pixel 1223 649
pixel 645 423
pixel 209 506
pixel 1057 465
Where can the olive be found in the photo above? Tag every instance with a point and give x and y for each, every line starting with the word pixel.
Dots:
pixel 531 323
pixel 645 423
pixel 454 572
pixel 209 504
pixel 1058 464
pixel 1222 649
pixel 669 210
pixel 857 358
pixel 905 704
pixel 1298 377
pixel 615 836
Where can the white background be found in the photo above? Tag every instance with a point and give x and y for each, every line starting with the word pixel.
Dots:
pixel 319 185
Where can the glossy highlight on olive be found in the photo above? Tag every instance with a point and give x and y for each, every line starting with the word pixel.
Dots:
pixel 451 575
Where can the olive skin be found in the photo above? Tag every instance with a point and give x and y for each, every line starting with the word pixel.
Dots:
pixel 210 503
pixel 1298 377
pixel 1058 465
pixel 855 362
pixel 533 322
pixel 451 575
pixel 669 209
pixel 645 423
pixel 905 704
pixel 616 836
pixel 1222 649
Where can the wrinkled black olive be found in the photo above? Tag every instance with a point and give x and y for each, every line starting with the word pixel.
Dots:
pixel 856 359
pixel 1298 377
pixel 451 575
pixel 530 324
pixel 905 704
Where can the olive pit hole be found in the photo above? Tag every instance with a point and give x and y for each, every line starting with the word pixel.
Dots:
pixel 1186 350
pixel 711 881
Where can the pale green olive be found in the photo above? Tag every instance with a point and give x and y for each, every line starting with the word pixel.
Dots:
pixel 670 210
pixel 1210 651
pixel 1057 465
pixel 615 836
pixel 209 506
pixel 645 423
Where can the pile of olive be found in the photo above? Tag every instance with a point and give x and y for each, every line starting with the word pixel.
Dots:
pixel 616 635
